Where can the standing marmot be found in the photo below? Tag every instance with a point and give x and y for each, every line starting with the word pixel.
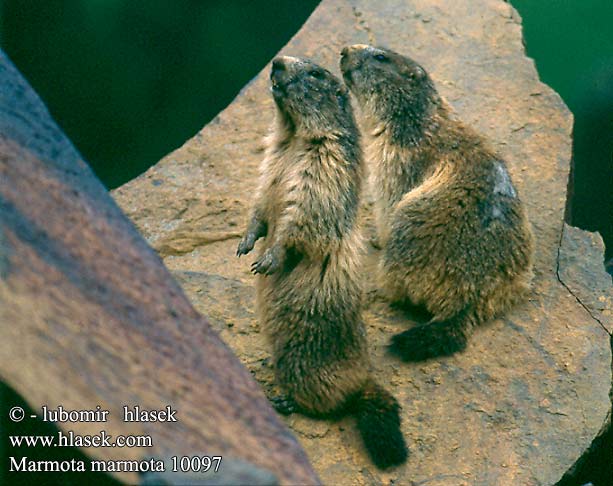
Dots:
pixel 309 295
pixel 454 234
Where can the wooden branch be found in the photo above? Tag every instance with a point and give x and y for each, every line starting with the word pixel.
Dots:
pixel 90 316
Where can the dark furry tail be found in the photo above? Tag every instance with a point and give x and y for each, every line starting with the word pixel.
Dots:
pixel 437 338
pixel 377 413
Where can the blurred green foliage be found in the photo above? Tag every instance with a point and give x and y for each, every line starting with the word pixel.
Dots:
pixel 130 80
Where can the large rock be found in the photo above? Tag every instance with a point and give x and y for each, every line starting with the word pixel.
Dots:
pixel 531 391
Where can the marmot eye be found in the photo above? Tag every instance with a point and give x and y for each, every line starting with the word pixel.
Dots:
pixel 316 74
pixel 381 57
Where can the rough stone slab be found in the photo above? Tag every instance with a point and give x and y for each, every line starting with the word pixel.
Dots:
pixel 580 269
pixel 531 391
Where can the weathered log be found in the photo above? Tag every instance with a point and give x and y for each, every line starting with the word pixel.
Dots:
pixel 526 398
pixel 90 316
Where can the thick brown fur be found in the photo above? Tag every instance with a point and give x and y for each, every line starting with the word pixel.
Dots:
pixel 453 231
pixel 309 294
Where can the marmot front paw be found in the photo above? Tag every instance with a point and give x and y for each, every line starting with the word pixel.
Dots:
pixel 246 244
pixel 268 263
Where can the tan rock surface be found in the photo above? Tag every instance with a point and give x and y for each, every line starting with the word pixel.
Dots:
pixel 531 391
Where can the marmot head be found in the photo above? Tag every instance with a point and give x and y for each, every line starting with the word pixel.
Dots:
pixel 310 99
pixel 391 89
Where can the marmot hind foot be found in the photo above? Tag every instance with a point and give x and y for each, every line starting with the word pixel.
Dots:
pixel 442 338
pixel 284 404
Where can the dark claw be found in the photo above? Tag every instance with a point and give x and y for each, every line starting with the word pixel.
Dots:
pixel 266 265
pixel 284 405
pixel 257 267
pixel 245 245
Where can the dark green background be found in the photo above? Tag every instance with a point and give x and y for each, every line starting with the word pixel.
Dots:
pixel 130 80
pixel 572 43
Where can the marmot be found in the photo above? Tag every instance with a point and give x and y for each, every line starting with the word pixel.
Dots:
pixel 454 235
pixel 309 294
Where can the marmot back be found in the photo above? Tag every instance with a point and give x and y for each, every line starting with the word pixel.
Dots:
pixel 309 294
pixel 453 230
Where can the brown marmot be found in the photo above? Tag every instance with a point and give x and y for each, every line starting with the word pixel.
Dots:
pixel 454 235
pixel 309 295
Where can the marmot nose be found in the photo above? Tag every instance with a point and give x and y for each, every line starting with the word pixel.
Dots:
pixel 344 51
